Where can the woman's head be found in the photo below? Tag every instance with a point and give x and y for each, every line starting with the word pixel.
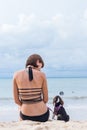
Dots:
pixel 34 60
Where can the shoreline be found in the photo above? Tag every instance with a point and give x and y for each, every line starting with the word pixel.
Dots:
pixel 8 114
pixel 49 125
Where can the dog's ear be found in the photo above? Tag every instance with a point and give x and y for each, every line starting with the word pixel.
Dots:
pixel 55 99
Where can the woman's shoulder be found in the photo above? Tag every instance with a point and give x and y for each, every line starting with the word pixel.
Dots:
pixel 17 73
pixel 39 72
pixel 43 74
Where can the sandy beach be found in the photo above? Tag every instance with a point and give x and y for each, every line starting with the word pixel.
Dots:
pixel 49 125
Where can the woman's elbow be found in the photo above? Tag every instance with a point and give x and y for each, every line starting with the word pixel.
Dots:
pixel 18 102
pixel 45 100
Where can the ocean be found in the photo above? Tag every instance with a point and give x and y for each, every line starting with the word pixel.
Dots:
pixel 75 97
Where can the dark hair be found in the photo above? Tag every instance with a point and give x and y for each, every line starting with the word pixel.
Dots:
pixel 32 60
pixel 30 73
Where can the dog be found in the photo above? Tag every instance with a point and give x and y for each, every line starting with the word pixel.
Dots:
pixel 59 110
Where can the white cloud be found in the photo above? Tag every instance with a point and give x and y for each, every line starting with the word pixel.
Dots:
pixel 85 14
pixel 60 40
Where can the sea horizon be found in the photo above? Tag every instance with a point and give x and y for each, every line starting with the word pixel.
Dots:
pixel 7 77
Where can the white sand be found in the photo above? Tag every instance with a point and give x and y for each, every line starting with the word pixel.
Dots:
pixel 49 125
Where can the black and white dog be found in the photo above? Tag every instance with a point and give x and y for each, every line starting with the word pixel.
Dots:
pixel 59 110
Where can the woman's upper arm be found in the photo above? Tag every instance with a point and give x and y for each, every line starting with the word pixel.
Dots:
pixel 45 89
pixel 15 91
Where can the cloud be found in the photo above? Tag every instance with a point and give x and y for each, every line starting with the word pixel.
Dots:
pixel 59 41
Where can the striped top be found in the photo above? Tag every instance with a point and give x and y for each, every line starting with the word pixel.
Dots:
pixel 30 95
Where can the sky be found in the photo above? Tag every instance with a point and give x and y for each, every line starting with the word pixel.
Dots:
pixel 55 29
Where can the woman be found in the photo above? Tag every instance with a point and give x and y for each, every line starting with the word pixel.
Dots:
pixel 30 90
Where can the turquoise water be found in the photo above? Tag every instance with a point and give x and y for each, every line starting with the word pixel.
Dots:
pixel 75 97
pixel 72 87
